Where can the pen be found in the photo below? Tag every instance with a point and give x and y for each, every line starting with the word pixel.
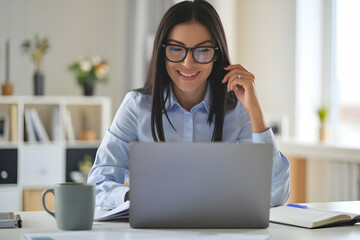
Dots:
pixel 18 220
pixel 297 206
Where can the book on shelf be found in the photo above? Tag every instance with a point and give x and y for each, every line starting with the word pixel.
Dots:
pixel 4 126
pixel 69 127
pixel 14 123
pixel 39 128
pixel 29 127
pixel 35 130
pixel 56 134
pixel 311 217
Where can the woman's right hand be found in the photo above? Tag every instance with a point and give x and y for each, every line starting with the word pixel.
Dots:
pixel 127 196
pixel 127 184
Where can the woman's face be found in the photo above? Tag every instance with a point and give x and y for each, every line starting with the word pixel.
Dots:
pixel 188 76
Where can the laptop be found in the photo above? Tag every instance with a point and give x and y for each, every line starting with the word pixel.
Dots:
pixel 200 185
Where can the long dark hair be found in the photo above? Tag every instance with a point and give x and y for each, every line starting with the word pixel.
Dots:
pixel 158 81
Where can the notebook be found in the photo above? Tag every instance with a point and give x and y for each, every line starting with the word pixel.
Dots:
pixel 311 217
pixel 200 185
pixel 9 220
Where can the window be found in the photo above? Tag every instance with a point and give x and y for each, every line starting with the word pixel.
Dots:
pixel 347 74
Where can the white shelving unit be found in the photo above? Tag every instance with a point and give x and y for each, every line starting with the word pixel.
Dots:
pixel 26 165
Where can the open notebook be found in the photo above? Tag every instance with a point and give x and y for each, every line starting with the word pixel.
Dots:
pixel 310 217
pixel 120 212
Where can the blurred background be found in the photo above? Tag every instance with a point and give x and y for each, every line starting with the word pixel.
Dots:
pixel 304 54
pixel 261 36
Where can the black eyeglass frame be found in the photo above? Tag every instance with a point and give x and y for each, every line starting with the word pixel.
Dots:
pixel 192 52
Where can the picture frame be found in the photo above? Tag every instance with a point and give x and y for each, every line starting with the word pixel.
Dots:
pixel 4 126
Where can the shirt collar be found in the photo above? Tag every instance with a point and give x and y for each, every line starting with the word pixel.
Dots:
pixel 172 101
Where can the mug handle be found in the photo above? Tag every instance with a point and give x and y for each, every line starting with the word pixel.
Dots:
pixel 43 201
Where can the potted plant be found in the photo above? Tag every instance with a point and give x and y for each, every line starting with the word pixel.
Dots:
pixel 88 71
pixel 323 113
pixel 37 48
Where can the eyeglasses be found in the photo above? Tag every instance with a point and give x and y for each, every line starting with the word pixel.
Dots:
pixel 203 55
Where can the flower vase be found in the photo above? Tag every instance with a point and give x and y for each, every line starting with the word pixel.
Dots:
pixel 7 89
pixel 39 81
pixel 88 89
pixel 324 133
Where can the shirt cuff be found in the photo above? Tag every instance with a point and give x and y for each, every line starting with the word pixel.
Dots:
pixel 265 137
pixel 117 196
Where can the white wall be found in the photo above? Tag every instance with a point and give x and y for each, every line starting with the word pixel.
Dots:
pixel 266 47
pixel 261 36
pixel 228 15
pixel 74 29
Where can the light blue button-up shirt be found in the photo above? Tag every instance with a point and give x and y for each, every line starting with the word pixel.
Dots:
pixel 132 122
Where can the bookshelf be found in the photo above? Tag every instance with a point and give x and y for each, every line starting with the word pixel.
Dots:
pixel 64 130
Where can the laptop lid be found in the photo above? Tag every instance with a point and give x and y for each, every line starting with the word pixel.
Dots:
pixel 200 185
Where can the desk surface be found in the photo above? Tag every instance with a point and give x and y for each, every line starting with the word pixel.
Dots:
pixel 42 222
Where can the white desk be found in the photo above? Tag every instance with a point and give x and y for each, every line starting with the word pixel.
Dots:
pixel 38 222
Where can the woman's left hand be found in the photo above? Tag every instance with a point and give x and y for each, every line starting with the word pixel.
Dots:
pixel 242 82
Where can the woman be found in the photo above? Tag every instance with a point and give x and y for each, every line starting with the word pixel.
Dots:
pixel 191 93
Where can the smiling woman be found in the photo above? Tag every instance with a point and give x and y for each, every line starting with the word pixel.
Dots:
pixel 189 76
pixel 197 97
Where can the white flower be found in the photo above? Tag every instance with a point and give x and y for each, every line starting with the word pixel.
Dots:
pixel 96 60
pixel 85 65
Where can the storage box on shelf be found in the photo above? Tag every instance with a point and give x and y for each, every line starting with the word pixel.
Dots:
pixel 36 136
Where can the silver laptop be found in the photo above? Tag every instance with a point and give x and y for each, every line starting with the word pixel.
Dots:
pixel 200 185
